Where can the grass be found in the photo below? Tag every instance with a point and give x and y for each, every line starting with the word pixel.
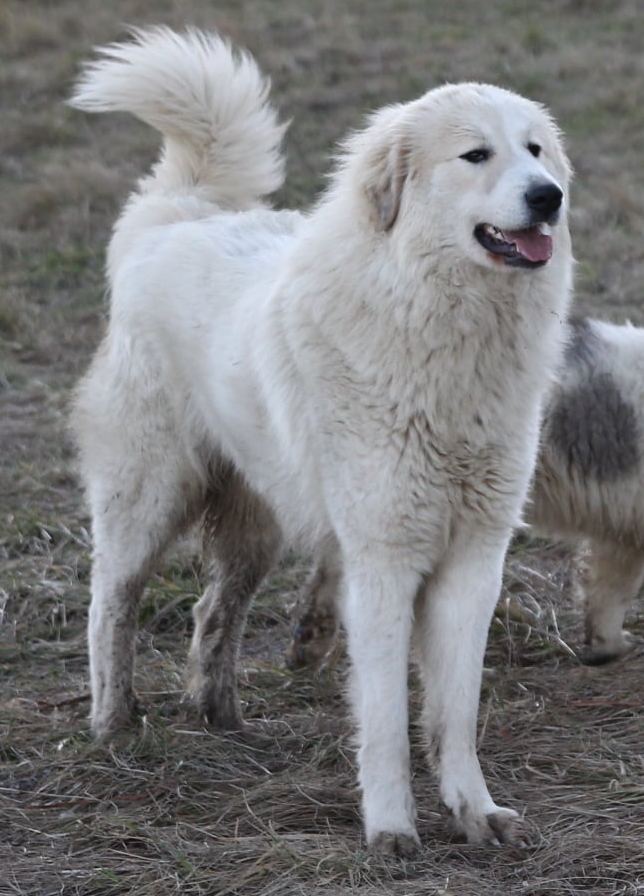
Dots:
pixel 172 807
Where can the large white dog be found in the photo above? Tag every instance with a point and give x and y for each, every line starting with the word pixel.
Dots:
pixel 588 489
pixel 370 372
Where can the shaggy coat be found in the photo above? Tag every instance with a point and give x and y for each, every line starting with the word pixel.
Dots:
pixel 370 373
pixel 588 490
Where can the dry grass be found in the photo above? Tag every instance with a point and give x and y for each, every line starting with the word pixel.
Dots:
pixel 173 808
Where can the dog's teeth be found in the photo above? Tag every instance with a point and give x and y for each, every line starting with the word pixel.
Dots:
pixel 493 232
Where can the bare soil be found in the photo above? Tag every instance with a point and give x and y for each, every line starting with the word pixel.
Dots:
pixel 171 807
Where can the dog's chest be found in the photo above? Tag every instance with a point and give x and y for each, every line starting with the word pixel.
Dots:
pixel 472 459
pixel 457 440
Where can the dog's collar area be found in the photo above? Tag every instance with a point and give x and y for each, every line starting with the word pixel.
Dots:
pixel 529 248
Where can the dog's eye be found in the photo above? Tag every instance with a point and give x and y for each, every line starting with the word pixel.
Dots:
pixel 535 149
pixel 476 155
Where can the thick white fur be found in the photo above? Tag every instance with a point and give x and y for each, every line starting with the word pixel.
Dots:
pixel 372 372
pixel 588 489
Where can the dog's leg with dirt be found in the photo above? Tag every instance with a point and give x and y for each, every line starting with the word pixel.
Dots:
pixel 241 544
pixel 140 500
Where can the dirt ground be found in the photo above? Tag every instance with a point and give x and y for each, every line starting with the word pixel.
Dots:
pixel 172 808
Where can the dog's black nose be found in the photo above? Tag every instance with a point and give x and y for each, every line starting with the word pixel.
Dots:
pixel 544 199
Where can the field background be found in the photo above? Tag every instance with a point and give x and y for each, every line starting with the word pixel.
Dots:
pixel 172 808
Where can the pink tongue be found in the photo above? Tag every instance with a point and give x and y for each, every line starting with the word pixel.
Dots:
pixel 532 244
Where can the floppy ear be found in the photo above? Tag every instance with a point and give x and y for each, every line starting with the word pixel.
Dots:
pixel 388 169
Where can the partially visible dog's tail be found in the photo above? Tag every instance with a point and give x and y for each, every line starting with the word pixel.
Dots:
pixel 221 135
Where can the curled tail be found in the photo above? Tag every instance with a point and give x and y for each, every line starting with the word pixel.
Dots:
pixel 221 135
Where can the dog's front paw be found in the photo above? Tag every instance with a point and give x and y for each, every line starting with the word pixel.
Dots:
pixel 507 827
pixel 395 843
pixel 498 828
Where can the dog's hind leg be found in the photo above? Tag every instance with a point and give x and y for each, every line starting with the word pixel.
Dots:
pixel 241 544
pixel 138 506
pixel 142 487
pixel 609 577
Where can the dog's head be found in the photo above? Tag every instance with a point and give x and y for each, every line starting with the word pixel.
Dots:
pixel 469 170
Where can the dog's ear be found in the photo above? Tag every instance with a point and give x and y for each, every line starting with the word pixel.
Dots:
pixel 387 172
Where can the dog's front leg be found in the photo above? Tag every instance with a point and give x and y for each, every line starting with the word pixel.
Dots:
pixel 453 620
pixel 377 613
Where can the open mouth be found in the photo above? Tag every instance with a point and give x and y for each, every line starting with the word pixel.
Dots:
pixel 529 248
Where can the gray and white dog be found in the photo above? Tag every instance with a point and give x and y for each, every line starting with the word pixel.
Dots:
pixel 588 489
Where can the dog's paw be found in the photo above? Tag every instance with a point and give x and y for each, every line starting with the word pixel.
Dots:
pixel 499 828
pixel 215 701
pixel 602 650
pixel 303 651
pixel 312 641
pixel 508 828
pixel 108 722
pixel 220 715
pixel 395 843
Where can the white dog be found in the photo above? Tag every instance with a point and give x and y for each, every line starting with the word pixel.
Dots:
pixel 587 489
pixel 371 372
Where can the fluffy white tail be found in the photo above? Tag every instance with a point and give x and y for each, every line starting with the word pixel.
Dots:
pixel 221 135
